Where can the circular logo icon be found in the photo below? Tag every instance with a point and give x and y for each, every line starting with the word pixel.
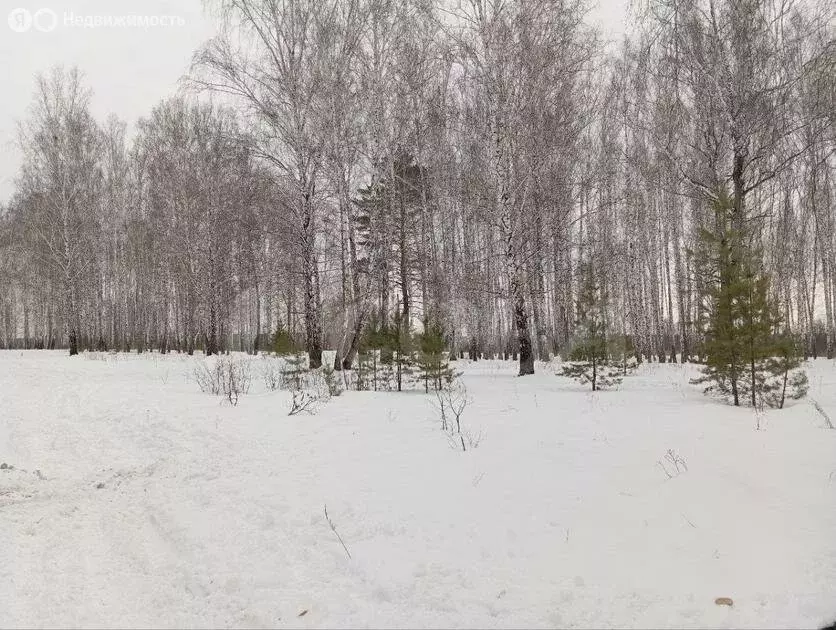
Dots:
pixel 20 20
pixel 45 20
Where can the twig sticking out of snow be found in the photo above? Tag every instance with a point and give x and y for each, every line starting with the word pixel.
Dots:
pixel 823 413
pixel 759 418
pixel 336 533
pixel 450 404
pixel 673 464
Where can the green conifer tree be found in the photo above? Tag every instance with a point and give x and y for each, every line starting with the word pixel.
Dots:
pixel 283 343
pixel 786 377
pixel 372 356
pixel 433 359
pixel 589 359
pixel 745 357
pixel 401 351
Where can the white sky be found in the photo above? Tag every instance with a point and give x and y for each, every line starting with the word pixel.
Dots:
pixel 130 69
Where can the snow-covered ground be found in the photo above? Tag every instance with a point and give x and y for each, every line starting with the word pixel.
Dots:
pixel 137 500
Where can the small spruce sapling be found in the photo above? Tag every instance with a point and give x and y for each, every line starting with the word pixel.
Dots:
pixel 283 343
pixel 374 357
pixel 623 352
pixel 294 371
pixel 784 376
pixel 403 359
pixel 589 358
pixel 433 360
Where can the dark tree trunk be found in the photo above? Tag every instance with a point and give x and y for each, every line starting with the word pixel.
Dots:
pixel 212 337
pixel 73 339
pixel 523 336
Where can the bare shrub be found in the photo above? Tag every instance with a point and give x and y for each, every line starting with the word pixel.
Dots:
pixel 288 373
pixel 106 356
pixel 271 373
pixel 450 403
pixel 207 377
pixel 227 376
pixel 236 379
pixel 308 388
pixel 332 381
pixel 672 464
pixel 465 440
pixel 473 439
pixel 306 401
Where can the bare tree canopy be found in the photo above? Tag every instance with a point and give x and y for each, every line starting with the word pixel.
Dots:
pixel 401 165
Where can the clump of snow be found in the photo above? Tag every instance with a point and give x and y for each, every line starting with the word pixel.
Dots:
pixel 133 499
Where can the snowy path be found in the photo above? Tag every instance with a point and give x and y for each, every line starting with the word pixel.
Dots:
pixel 156 505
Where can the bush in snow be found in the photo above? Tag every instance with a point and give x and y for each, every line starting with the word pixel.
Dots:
pixel 308 387
pixel 305 400
pixel 450 404
pixel 332 381
pixel 225 376
pixel 235 378
pixel 271 373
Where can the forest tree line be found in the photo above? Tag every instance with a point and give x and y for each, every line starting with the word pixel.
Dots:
pixel 334 166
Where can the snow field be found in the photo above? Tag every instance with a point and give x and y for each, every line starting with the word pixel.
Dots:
pixel 137 500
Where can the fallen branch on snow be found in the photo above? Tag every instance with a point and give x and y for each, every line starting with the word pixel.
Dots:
pixel 336 533
pixel 823 413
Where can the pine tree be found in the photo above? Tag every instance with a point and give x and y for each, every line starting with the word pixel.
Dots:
pixel 783 374
pixel 294 371
pixel 722 291
pixel 372 356
pixel 743 352
pixel 759 322
pixel 283 343
pixel 433 359
pixel 401 350
pixel 589 358
pixel 623 351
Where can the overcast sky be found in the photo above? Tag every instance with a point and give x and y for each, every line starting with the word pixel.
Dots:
pixel 130 69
